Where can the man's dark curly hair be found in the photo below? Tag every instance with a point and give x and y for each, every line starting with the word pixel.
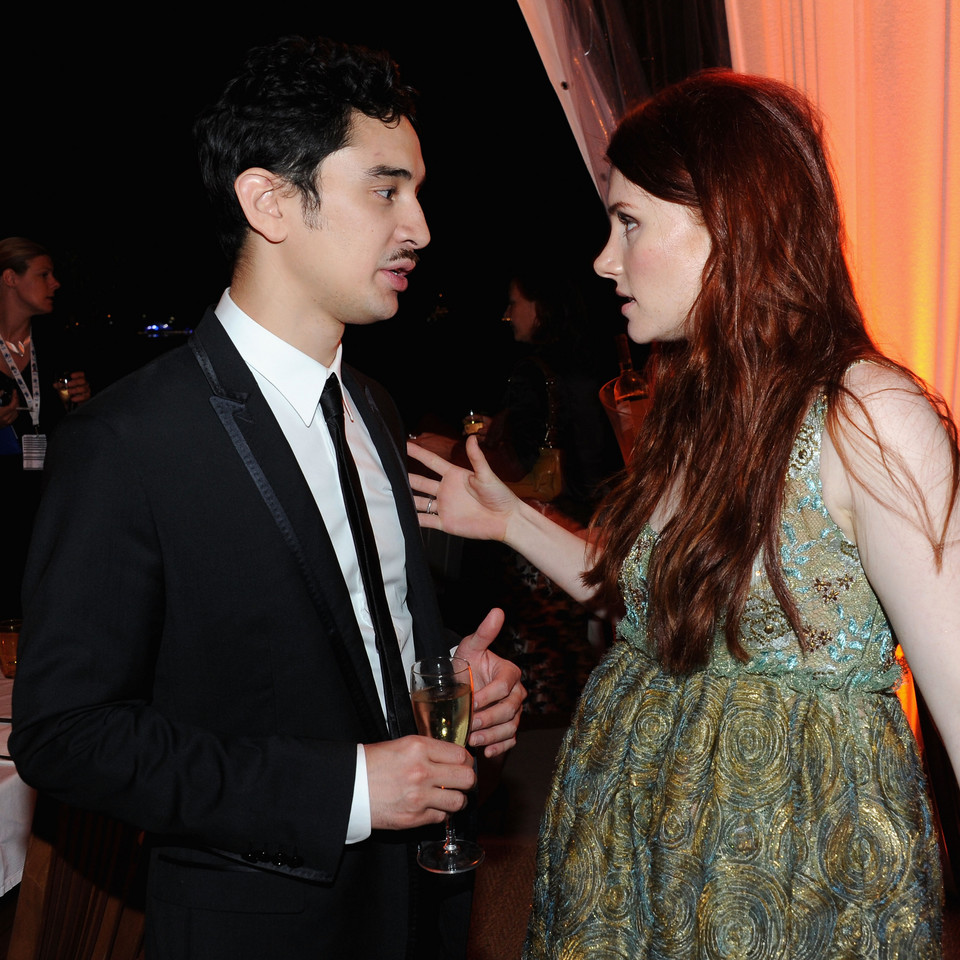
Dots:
pixel 287 110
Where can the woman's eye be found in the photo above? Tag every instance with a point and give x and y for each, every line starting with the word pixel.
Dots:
pixel 628 223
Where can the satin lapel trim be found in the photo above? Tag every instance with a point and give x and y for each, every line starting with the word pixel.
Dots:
pixel 233 410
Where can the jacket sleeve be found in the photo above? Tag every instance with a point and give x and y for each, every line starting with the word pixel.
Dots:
pixel 87 726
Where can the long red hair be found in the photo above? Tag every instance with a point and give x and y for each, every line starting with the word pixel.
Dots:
pixel 775 325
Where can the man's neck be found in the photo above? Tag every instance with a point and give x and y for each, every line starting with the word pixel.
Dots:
pixel 299 325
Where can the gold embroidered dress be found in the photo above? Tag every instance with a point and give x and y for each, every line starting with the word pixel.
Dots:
pixel 767 810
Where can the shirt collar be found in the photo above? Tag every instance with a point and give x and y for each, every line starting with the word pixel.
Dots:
pixel 297 377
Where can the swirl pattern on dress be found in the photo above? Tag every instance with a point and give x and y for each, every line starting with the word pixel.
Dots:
pixel 748 811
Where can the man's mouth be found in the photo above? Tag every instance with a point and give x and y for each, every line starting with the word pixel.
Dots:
pixel 398 268
pixel 402 262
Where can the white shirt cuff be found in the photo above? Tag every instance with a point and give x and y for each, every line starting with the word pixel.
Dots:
pixel 359 827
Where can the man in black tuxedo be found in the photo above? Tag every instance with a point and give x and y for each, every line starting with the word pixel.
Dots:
pixel 200 655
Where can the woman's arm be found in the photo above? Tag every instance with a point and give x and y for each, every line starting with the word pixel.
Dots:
pixel 892 506
pixel 476 504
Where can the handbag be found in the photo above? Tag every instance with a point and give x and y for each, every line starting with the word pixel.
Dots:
pixel 545 480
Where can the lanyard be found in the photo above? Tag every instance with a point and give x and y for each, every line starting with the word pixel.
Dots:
pixel 32 398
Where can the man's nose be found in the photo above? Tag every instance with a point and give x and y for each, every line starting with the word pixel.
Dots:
pixel 415 229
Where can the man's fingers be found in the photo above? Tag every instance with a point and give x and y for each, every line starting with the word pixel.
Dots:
pixel 496 748
pixel 498 701
pixel 483 636
pixel 415 780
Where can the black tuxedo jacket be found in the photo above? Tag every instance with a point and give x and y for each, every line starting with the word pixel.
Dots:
pixel 191 663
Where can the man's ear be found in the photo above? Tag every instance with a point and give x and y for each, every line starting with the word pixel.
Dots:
pixel 9 277
pixel 260 194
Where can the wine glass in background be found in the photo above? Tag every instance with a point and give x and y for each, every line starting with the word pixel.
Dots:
pixel 473 423
pixel 442 694
pixel 626 399
pixel 9 635
pixel 62 386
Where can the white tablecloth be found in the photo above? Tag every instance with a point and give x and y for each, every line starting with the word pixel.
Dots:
pixel 16 804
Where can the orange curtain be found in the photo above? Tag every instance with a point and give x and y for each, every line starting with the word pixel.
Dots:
pixel 886 74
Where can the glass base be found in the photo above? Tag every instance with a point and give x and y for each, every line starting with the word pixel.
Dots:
pixel 438 856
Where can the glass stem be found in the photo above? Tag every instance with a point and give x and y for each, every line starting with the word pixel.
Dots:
pixel 450 842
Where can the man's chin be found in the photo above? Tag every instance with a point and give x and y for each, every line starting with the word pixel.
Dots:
pixel 385 311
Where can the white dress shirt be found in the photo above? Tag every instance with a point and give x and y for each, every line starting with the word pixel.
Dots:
pixel 291 383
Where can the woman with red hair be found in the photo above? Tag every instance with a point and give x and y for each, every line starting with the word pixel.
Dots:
pixel 739 779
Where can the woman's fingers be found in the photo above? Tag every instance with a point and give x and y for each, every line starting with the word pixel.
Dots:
pixel 477 460
pixel 432 461
pixel 423 484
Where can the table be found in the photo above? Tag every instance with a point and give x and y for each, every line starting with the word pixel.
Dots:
pixel 16 804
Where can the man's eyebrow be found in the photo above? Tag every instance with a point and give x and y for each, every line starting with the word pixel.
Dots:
pixel 391 172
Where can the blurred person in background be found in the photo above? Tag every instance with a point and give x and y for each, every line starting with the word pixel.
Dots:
pixel 38 385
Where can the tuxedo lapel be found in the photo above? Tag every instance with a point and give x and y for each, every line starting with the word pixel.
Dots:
pixel 249 422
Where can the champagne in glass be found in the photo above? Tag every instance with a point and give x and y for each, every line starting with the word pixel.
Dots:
pixel 442 694
pixel 443 715
pixel 62 386
pixel 472 423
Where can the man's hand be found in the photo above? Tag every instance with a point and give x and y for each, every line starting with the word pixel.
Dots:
pixel 498 693
pixel 416 780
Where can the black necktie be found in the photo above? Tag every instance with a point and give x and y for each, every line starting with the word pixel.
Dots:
pixel 395 691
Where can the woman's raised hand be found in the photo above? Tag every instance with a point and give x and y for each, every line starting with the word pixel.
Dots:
pixel 465 503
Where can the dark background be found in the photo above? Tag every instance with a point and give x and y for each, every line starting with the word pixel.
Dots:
pixel 98 165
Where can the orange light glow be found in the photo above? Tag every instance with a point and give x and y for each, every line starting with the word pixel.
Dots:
pixel 886 74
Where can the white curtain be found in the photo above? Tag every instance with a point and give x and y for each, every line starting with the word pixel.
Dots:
pixel 588 54
pixel 886 74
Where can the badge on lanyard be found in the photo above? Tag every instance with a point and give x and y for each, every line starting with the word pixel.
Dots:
pixel 34 450
pixel 34 445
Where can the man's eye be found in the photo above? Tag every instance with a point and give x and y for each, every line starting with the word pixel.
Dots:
pixel 387 193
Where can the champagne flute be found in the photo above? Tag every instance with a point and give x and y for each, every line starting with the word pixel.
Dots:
pixel 442 694
pixel 62 386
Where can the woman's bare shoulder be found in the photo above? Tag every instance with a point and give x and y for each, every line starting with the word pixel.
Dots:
pixel 884 410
